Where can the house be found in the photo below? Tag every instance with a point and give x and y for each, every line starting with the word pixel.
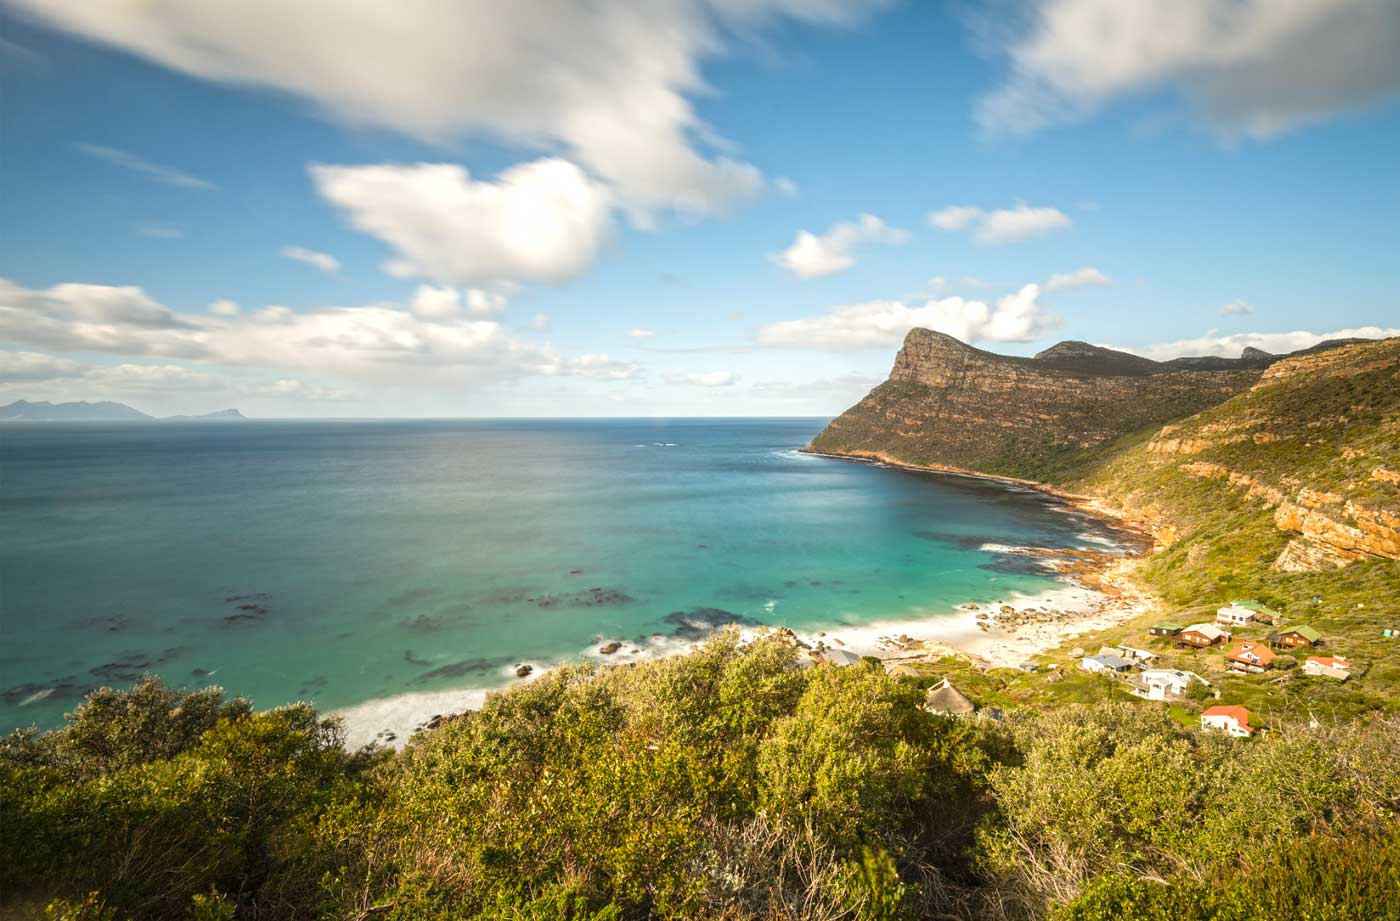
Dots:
pixel 1128 652
pixel 1234 616
pixel 1164 629
pixel 1327 667
pixel 1233 720
pixel 1263 614
pixel 1164 683
pixel 1295 637
pixel 946 699
pixel 1105 664
pixel 903 670
pixel 1202 635
pixel 1249 657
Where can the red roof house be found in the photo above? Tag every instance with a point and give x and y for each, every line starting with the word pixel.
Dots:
pixel 1231 719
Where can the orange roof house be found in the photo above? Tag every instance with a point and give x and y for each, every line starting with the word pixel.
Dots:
pixel 1249 657
pixel 1231 719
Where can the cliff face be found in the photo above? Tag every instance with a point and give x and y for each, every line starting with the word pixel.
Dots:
pixel 950 405
pixel 1302 451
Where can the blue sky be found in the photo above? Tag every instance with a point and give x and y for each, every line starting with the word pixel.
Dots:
pixel 714 207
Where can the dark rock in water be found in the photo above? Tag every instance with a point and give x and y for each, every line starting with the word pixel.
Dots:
pixel 409 657
pixel 423 623
pixel 575 572
pixel 465 667
pixel 200 672
pixel 790 583
pixel 522 670
pixel 254 596
pixel 608 649
pixel 588 598
pixel 698 623
pixel 235 620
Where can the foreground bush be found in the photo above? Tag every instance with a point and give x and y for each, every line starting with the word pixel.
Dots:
pixel 732 783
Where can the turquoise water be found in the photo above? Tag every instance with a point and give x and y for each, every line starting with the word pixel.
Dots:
pixel 347 561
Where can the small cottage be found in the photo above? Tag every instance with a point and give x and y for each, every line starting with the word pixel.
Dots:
pixel 1232 720
pixel 1164 629
pixel 1106 665
pixel 1249 657
pixel 946 699
pixel 1234 616
pixel 1327 667
pixel 1296 637
pixel 1202 635
pixel 1164 683
pixel 903 670
pixel 1263 614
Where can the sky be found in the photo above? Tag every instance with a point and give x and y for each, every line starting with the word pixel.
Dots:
pixel 453 208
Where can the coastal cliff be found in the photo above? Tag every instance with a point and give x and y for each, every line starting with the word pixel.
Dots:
pixel 947 404
pixel 1301 451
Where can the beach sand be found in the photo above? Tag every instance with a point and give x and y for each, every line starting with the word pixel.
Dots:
pixel 1098 594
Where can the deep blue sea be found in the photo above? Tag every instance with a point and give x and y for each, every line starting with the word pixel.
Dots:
pixel 341 562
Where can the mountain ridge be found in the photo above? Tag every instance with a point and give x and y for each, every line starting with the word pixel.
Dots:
pixel 99 411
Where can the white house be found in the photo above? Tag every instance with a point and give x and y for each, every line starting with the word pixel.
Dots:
pixel 1327 667
pixel 1164 683
pixel 1233 720
pixel 1234 616
pixel 1105 664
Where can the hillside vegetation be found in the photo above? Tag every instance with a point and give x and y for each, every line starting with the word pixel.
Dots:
pixel 731 784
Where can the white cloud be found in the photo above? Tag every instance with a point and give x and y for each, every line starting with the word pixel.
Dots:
pixel 433 303
pixel 224 307
pixel 153 171
pixel 541 221
pixel 485 303
pixel 539 322
pixel 384 342
pixel 712 379
pixel 641 333
pixel 786 187
pixel 1016 317
pixel 1005 225
pixel 1236 308
pixel 17 367
pixel 39 368
pixel 322 261
pixel 1251 67
pixel 1080 278
pixel 1232 345
pixel 294 388
pixel 954 217
pixel 813 256
pixel 600 367
pixel 608 83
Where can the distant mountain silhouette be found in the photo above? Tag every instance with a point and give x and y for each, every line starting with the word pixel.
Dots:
pixel 105 411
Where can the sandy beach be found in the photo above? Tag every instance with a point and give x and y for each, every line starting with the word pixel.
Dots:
pixel 1002 634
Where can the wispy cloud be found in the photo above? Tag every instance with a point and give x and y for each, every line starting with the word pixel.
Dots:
pixel 323 261
pixel 1005 225
pixel 166 175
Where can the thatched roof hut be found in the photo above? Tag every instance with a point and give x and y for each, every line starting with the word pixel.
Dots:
pixel 944 698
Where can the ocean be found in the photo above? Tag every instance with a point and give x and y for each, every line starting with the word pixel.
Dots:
pixel 346 562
